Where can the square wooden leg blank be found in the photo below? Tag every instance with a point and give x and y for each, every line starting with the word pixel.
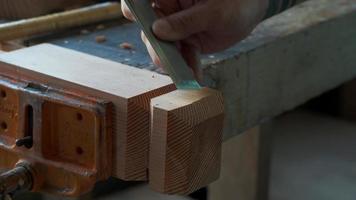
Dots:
pixel 186 139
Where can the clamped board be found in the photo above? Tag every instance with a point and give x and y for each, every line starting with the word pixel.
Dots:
pixel 74 119
pixel 186 125
pixel 69 120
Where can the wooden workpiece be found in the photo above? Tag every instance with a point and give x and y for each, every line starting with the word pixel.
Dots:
pixel 186 138
pixel 240 175
pixel 128 88
pixel 258 83
pixel 316 40
pixel 11 45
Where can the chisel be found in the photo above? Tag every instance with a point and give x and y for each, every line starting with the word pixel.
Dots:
pixel 167 52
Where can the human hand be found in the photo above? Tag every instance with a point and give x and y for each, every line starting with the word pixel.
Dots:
pixel 203 26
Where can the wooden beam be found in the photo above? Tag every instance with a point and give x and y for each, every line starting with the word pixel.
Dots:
pixel 59 21
pixel 288 60
pixel 245 168
pixel 239 169
pixel 186 139
pixel 11 45
pixel 128 88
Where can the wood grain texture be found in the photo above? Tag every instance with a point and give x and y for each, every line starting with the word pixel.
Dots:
pixel 239 169
pixel 186 137
pixel 11 45
pixel 59 21
pixel 288 60
pixel 129 89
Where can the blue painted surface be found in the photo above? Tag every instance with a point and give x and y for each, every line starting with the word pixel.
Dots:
pixel 110 49
pixel 119 32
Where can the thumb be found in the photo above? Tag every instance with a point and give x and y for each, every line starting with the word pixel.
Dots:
pixel 183 24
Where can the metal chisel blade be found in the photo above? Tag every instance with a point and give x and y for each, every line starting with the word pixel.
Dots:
pixel 167 52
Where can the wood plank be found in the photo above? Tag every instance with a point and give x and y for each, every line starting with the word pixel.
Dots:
pixel 186 139
pixel 245 169
pixel 11 45
pixel 288 60
pixel 239 170
pixel 59 21
pixel 128 88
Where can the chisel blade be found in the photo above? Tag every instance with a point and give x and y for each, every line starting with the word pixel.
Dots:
pixel 167 52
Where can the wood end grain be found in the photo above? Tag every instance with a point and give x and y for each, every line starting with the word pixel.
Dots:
pixel 186 139
pixel 133 144
pixel 129 89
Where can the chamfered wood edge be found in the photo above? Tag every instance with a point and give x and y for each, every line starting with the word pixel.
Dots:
pixel 132 148
pixel 186 138
pixel 125 108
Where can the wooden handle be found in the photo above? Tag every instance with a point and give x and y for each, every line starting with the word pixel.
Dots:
pixel 59 21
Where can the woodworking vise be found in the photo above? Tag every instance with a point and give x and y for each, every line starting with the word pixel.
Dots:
pixel 69 120
pixel 52 137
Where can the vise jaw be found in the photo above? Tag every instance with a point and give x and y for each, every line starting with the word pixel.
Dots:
pixel 61 140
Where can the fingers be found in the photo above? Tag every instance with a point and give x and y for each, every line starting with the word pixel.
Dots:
pixel 189 53
pixel 180 24
pixel 126 11
pixel 183 24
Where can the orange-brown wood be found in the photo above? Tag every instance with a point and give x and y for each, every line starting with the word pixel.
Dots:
pixel 186 139
pixel 240 168
pixel 62 163
pixel 11 45
pixel 129 89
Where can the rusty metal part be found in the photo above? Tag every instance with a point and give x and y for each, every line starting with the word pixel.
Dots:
pixel 16 180
pixel 65 137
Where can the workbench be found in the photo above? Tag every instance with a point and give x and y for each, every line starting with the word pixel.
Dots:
pixel 288 60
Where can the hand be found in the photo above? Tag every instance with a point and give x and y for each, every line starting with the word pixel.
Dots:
pixel 15 9
pixel 203 26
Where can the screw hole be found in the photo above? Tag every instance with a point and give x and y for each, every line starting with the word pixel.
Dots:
pixel 79 117
pixel 79 150
pixel 3 126
pixel 3 93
